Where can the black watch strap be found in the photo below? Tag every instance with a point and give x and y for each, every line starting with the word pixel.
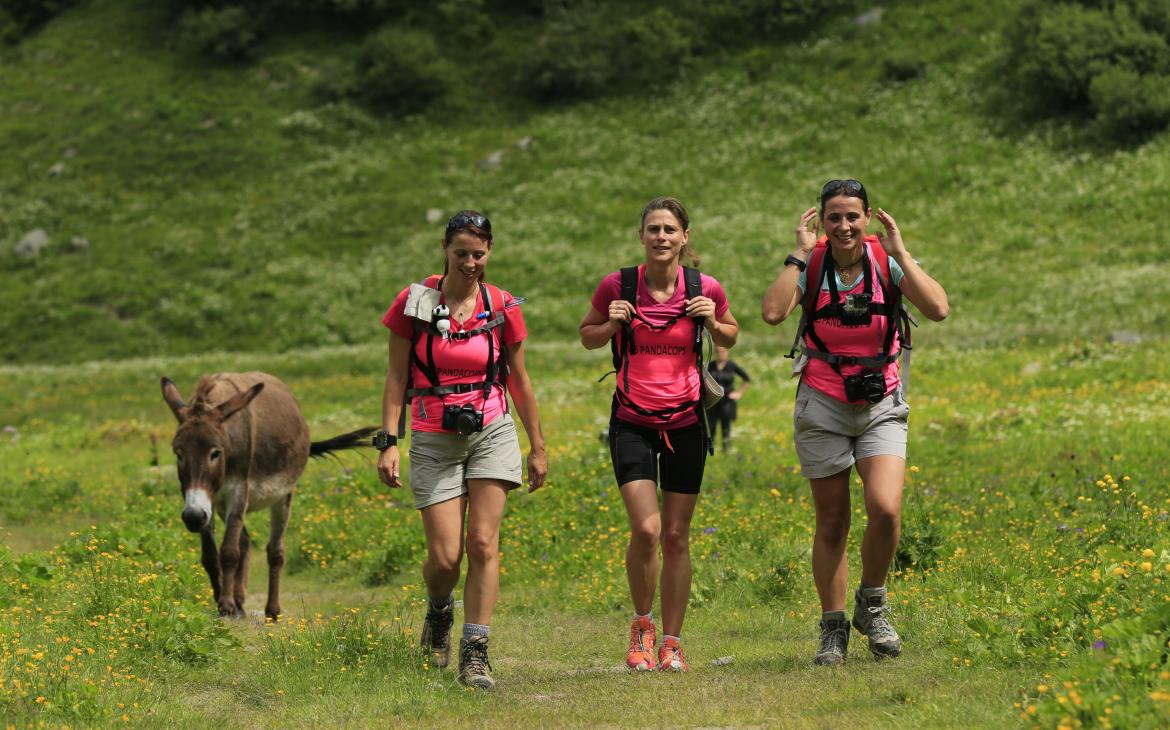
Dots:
pixel 383 440
pixel 802 265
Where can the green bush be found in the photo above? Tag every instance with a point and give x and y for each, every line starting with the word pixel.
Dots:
pixel 228 32
pixel 19 17
pixel 402 69
pixel 1110 60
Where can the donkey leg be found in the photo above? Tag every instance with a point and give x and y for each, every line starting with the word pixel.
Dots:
pixel 229 563
pixel 280 513
pixel 210 558
pixel 241 587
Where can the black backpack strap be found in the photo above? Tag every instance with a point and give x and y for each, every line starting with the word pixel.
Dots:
pixel 623 342
pixel 693 281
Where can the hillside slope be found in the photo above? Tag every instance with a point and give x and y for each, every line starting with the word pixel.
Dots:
pixel 223 208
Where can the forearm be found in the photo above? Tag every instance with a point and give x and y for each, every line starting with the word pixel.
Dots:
pixel 594 336
pixel 723 334
pixel 921 289
pixel 779 298
pixel 393 398
pixel 524 398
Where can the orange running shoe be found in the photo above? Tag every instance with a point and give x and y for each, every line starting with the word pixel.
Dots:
pixel 670 657
pixel 640 657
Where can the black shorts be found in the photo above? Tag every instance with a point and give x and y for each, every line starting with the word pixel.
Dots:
pixel 637 452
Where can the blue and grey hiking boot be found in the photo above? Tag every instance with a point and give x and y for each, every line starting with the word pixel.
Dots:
pixel 474 664
pixel 871 618
pixel 436 634
pixel 834 641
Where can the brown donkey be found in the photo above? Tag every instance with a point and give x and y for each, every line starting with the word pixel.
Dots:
pixel 241 445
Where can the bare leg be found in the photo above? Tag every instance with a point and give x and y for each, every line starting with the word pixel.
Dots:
pixel 487 498
pixel 883 479
pixel 642 565
pixel 229 563
pixel 443 527
pixel 830 569
pixel 279 514
pixel 677 510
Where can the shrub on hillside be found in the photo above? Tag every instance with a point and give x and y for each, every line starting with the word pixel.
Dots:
pixel 1102 58
pixel 229 32
pixel 402 69
pixel 19 17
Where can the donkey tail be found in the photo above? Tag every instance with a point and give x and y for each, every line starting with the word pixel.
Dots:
pixel 351 440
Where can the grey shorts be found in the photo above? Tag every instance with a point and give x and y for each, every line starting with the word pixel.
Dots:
pixel 441 463
pixel 831 436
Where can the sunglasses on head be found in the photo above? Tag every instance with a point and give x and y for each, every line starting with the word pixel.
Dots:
pixel 848 186
pixel 469 220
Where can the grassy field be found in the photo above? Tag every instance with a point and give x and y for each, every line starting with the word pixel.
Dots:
pixel 236 223
pixel 1031 583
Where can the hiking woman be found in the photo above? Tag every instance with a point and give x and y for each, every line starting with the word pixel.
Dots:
pixel 725 371
pixel 453 339
pixel 850 406
pixel 652 314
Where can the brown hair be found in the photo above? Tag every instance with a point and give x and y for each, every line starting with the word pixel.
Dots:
pixel 461 223
pixel 679 211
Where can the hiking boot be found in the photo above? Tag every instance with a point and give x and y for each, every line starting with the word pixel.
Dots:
pixel 870 617
pixel 670 657
pixel 834 642
pixel 474 664
pixel 640 657
pixel 436 634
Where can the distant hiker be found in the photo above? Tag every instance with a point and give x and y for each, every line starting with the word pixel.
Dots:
pixel 654 317
pixel 850 404
pixel 456 351
pixel 725 371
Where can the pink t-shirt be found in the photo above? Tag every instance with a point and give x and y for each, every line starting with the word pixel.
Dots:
pixel 859 340
pixel 456 361
pixel 662 369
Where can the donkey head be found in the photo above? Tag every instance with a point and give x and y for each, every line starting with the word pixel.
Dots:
pixel 201 447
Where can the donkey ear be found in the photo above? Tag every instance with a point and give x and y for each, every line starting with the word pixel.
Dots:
pixel 238 401
pixel 171 395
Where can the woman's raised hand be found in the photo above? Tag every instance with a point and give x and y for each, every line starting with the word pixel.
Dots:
pixel 892 238
pixel 807 239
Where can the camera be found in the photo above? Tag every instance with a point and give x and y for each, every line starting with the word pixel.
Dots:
pixel 869 387
pixel 464 419
pixel 855 310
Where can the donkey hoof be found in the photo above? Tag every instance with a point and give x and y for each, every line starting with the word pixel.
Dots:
pixel 231 610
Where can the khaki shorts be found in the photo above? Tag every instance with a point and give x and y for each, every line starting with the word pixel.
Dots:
pixel 831 436
pixel 441 463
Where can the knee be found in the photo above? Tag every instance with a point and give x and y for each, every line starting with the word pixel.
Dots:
pixel 676 541
pixel 645 535
pixel 885 517
pixel 833 528
pixel 276 556
pixel 444 560
pixel 229 557
pixel 482 547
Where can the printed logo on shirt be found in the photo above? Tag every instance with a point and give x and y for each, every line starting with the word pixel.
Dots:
pixel 459 373
pixel 668 350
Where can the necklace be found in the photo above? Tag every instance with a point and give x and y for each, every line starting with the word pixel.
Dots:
pixel 846 278
pixel 462 309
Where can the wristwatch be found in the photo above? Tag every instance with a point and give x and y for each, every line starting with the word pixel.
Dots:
pixel 802 265
pixel 384 440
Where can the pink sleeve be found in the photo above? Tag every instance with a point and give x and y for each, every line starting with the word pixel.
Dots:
pixel 609 289
pixel 395 318
pixel 713 290
pixel 514 328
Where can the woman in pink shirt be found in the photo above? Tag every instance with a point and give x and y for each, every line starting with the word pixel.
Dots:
pixel 656 435
pixel 457 351
pixel 850 407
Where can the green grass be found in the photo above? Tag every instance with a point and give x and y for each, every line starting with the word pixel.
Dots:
pixel 238 224
pixel 1034 491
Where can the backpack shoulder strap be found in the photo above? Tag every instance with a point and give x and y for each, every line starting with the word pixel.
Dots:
pixel 881 257
pixel 694 282
pixel 629 290
pixel 812 275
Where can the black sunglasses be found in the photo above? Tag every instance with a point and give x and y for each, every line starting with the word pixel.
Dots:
pixel 460 221
pixel 848 186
